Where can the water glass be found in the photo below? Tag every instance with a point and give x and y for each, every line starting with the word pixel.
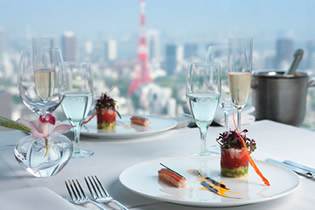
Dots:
pixel 218 53
pixel 203 91
pixel 77 101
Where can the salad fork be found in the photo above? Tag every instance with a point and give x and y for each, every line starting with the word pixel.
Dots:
pixel 77 195
pixel 99 193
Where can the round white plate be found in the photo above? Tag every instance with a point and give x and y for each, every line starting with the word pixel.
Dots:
pixel 143 179
pixel 125 129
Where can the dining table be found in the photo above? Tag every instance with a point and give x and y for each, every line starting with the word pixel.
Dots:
pixel 112 156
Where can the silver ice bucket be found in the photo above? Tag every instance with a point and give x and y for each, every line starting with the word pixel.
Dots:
pixel 280 97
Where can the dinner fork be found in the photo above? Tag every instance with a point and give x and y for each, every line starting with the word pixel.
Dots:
pixel 77 195
pixel 99 193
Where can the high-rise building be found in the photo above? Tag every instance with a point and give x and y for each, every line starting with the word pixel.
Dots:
pixel 2 43
pixel 68 46
pixel 190 50
pixel 284 52
pixel 309 58
pixel 88 47
pixel 153 37
pixel 170 58
pixel 110 49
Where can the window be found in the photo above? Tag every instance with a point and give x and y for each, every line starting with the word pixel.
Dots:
pixel 108 34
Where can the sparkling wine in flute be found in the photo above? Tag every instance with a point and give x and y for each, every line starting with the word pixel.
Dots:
pixel 76 106
pixel 45 83
pixel 239 85
pixel 203 106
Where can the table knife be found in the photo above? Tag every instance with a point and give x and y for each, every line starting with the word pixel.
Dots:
pixel 295 169
pixel 298 165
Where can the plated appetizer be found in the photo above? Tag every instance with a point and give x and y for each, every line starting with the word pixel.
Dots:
pixel 106 112
pixel 140 121
pixel 171 177
pixel 234 160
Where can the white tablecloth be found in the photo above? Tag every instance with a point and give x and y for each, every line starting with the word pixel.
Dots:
pixel 111 157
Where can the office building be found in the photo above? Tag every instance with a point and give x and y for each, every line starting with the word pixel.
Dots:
pixel 190 50
pixel 284 52
pixel 2 43
pixel 69 46
pixel 110 50
pixel 153 38
pixel 170 58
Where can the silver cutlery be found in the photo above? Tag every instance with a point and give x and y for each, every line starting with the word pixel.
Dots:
pixel 298 165
pixel 299 171
pixel 77 195
pixel 99 193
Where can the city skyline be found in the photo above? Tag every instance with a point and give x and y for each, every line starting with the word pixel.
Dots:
pixel 177 34
pixel 178 21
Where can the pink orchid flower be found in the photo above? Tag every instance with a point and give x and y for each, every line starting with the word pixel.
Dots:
pixel 45 126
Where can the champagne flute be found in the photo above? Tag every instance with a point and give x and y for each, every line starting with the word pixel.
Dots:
pixel 41 89
pixel 42 43
pixel 77 101
pixel 240 68
pixel 219 54
pixel 203 90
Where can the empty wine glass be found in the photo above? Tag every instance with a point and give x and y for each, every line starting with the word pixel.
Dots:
pixel 42 43
pixel 203 91
pixel 218 53
pixel 240 68
pixel 77 101
pixel 41 89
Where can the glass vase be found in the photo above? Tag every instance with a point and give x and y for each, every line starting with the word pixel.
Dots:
pixel 44 157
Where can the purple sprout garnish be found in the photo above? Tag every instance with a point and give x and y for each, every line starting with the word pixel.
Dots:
pixel 106 102
pixel 231 139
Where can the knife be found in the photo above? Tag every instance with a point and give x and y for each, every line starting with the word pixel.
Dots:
pixel 298 165
pixel 295 169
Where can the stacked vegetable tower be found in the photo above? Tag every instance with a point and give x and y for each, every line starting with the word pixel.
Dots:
pixel 234 160
pixel 106 112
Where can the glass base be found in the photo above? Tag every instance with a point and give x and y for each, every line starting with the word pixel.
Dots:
pixel 82 154
pixel 215 150
pixel 202 154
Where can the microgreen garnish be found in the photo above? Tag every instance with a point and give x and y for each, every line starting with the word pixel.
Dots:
pixel 178 174
pixel 231 139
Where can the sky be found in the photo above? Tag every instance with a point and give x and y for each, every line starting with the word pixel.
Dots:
pixel 177 20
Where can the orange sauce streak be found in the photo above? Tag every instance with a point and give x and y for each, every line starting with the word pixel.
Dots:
pixel 218 188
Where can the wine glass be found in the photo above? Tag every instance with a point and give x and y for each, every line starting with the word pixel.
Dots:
pixel 218 53
pixel 240 68
pixel 77 101
pixel 203 91
pixel 42 43
pixel 41 89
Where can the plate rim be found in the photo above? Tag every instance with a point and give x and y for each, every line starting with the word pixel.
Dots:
pixel 207 204
pixel 132 135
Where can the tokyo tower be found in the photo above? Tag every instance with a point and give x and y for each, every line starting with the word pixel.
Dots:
pixel 142 73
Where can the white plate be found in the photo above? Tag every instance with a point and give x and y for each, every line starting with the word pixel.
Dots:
pixel 125 129
pixel 143 179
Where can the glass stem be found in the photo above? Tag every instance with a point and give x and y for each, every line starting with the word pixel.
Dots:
pixel 226 119
pixel 239 114
pixel 76 143
pixel 203 137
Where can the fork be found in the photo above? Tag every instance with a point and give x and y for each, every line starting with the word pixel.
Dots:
pixel 99 193
pixel 77 195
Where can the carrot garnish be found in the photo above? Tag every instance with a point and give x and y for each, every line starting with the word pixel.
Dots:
pixel 85 122
pixel 251 161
